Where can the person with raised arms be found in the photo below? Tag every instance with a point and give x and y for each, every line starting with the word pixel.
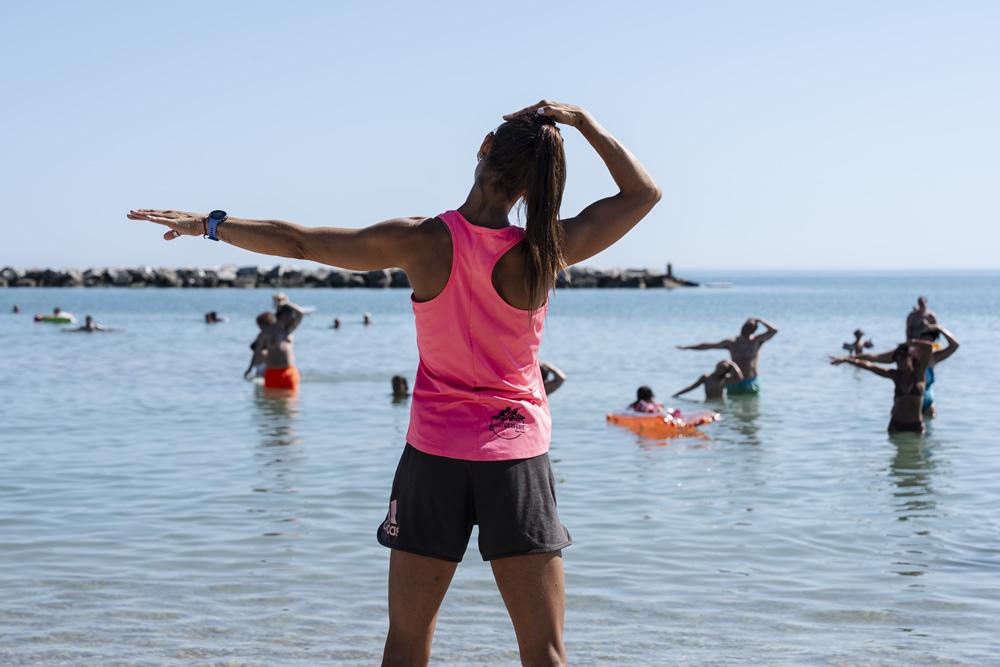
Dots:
pixel 908 376
pixel 480 427
pixel 744 351
pixel 726 373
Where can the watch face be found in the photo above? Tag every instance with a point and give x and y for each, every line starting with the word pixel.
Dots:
pixel 217 215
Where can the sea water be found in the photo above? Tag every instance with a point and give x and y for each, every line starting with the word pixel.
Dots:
pixel 157 509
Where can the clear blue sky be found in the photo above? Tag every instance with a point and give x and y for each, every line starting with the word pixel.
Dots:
pixel 784 134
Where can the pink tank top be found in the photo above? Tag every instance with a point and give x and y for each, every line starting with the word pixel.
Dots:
pixel 478 395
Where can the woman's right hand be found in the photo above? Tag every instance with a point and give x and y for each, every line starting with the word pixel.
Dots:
pixel 567 114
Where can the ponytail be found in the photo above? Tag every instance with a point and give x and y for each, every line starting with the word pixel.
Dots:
pixel 543 197
pixel 527 157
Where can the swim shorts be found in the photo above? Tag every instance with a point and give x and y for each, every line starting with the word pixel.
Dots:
pixel 281 378
pixel 744 388
pixel 435 501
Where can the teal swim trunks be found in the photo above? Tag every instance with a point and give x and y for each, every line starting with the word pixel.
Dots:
pixel 744 388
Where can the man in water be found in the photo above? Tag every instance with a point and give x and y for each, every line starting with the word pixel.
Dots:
pixel 90 325
pixel 920 319
pixel 726 373
pixel 858 346
pixel 744 351
pixel 16 309
pixel 275 346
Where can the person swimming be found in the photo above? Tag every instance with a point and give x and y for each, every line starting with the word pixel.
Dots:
pixel 336 323
pixel 744 350
pixel 646 402
pixel 911 361
pixel 400 388
pixel 89 325
pixel 212 317
pixel 366 319
pixel 726 373
pixel 16 309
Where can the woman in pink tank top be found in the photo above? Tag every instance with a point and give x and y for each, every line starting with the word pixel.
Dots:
pixel 476 451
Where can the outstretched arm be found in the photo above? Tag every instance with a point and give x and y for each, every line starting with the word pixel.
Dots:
pixel 384 245
pixel 879 358
pixel 721 345
pixel 868 366
pixel 697 383
pixel 605 221
pixel 767 335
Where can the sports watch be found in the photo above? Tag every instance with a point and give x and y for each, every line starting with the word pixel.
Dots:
pixel 215 218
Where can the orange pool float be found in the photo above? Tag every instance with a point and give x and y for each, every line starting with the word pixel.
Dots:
pixel 659 425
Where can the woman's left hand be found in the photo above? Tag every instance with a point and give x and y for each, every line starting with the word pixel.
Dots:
pixel 179 222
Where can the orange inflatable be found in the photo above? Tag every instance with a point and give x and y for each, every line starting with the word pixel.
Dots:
pixel 672 424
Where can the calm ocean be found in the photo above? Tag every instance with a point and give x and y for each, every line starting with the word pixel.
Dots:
pixel 155 509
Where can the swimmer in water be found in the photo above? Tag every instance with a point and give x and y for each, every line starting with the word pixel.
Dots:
pixel 16 309
pixel 744 351
pixel 366 319
pixel 552 377
pixel 400 388
pixel 646 402
pixel 336 323
pixel 726 373
pixel 90 326
pixel 212 317
pixel 911 361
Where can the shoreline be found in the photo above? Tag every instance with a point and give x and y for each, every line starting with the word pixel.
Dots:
pixel 290 277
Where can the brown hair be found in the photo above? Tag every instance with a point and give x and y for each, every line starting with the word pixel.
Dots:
pixel 527 157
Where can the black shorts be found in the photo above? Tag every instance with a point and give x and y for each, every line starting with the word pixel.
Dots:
pixel 435 501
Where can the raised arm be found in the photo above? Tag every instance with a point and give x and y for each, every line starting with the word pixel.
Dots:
pixel 767 335
pixel 552 377
pixel 697 383
pixel 733 374
pixel 868 366
pixel 387 244
pixel 297 315
pixel 605 221
pixel 941 355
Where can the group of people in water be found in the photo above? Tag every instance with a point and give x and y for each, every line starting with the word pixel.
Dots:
pixel 913 372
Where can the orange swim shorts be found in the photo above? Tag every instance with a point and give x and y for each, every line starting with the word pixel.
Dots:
pixel 281 378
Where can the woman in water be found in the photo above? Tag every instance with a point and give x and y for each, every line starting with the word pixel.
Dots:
pixel 479 421
pixel 908 377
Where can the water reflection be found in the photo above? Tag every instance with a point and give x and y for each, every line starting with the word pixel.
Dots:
pixel 275 414
pixel 276 411
pixel 911 470
pixel 742 413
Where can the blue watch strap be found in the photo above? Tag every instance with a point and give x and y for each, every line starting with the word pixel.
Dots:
pixel 215 218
